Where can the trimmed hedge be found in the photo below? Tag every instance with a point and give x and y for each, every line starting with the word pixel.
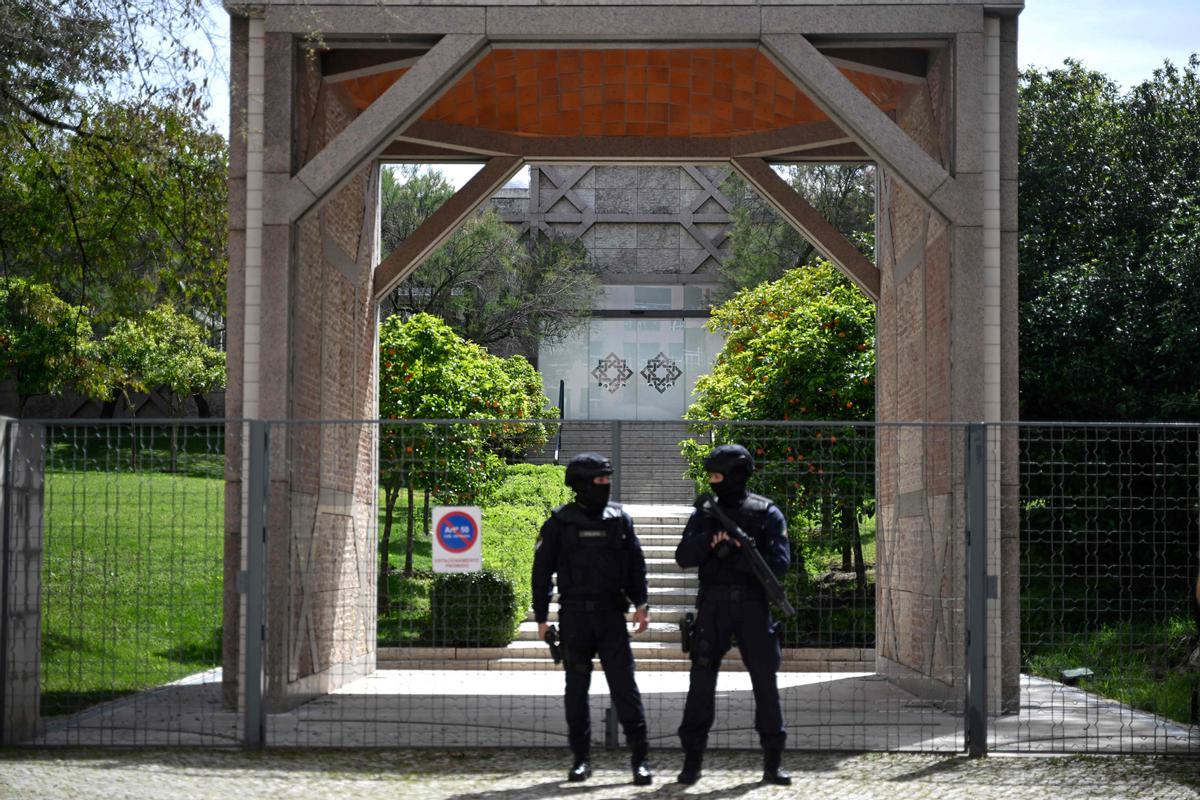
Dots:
pixel 533 486
pixel 472 609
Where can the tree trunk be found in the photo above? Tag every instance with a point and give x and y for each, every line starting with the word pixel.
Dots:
pixel 203 410
pixel 850 515
pixel 826 534
pixel 846 552
pixel 384 598
pixel 425 514
pixel 408 543
pixel 174 448
pixel 133 444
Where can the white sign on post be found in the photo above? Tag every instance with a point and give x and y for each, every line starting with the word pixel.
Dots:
pixel 457 539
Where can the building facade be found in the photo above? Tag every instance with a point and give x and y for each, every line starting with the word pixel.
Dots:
pixel 658 235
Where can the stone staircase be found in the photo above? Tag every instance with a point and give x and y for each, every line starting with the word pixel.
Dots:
pixel 672 594
pixel 645 454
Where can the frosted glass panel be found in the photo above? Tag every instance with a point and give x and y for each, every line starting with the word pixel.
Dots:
pixel 629 368
pixel 700 353
pixel 662 388
pixel 612 364
pixel 567 361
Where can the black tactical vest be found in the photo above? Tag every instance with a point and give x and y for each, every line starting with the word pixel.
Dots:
pixel 593 552
pixel 751 517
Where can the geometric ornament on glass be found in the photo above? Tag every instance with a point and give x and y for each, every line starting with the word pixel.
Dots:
pixel 661 372
pixel 612 373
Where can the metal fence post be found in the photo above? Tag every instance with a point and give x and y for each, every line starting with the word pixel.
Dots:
pixel 7 430
pixel 977 634
pixel 253 584
pixel 616 460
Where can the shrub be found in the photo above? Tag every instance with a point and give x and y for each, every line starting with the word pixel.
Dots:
pixel 472 609
pixel 509 533
pixel 537 486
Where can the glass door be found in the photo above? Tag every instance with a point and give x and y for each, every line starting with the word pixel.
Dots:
pixel 629 368
pixel 662 387
pixel 612 368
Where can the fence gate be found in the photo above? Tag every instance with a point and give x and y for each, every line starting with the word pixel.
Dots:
pixel 875 658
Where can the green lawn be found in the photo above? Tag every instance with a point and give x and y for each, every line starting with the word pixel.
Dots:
pixel 1141 665
pixel 132 576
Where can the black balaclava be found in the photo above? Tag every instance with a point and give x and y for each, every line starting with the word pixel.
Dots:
pixel 580 471
pixel 734 462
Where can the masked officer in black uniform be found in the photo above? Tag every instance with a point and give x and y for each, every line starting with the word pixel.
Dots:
pixel 732 604
pixel 591 546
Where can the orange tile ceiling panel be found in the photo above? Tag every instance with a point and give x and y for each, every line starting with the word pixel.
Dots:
pixel 696 92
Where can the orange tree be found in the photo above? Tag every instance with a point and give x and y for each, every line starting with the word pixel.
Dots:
pixel 798 348
pixel 427 371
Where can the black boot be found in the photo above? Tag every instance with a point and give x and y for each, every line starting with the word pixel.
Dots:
pixel 637 758
pixel 582 769
pixel 692 761
pixel 772 771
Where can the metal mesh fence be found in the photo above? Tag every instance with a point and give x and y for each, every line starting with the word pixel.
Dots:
pixel 122 570
pixel 1068 551
pixel 459 661
pixel 1109 521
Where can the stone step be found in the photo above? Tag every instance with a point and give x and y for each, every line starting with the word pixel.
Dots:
pixel 650 656
pixel 665 566
pixel 658 536
pixel 659 541
pixel 664 631
pixel 667 614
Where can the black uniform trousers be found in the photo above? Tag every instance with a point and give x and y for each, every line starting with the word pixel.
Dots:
pixel 584 634
pixel 724 614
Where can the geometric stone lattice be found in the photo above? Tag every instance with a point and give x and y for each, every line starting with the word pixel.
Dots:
pixel 612 372
pixel 661 372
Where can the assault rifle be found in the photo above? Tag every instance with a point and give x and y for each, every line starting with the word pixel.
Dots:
pixel 706 504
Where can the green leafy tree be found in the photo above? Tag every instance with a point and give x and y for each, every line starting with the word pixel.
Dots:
pixel 1110 245
pixel 58 59
pixel 799 348
pixel 484 281
pixel 126 213
pixel 527 400
pixel 1109 297
pixel 763 245
pixel 46 345
pixel 164 349
pixel 427 371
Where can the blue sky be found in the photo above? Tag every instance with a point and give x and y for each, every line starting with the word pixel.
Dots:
pixel 1126 40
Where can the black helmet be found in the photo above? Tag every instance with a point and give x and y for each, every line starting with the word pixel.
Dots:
pixel 731 460
pixel 585 466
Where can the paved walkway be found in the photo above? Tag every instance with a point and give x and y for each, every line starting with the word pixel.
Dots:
pixel 464 708
pixel 537 775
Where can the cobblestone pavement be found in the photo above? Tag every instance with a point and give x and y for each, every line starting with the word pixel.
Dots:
pixel 534 774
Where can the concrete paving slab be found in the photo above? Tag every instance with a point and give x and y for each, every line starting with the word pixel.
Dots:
pixel 856 711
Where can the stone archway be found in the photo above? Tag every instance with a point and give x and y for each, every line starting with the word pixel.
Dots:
pixel 925 90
